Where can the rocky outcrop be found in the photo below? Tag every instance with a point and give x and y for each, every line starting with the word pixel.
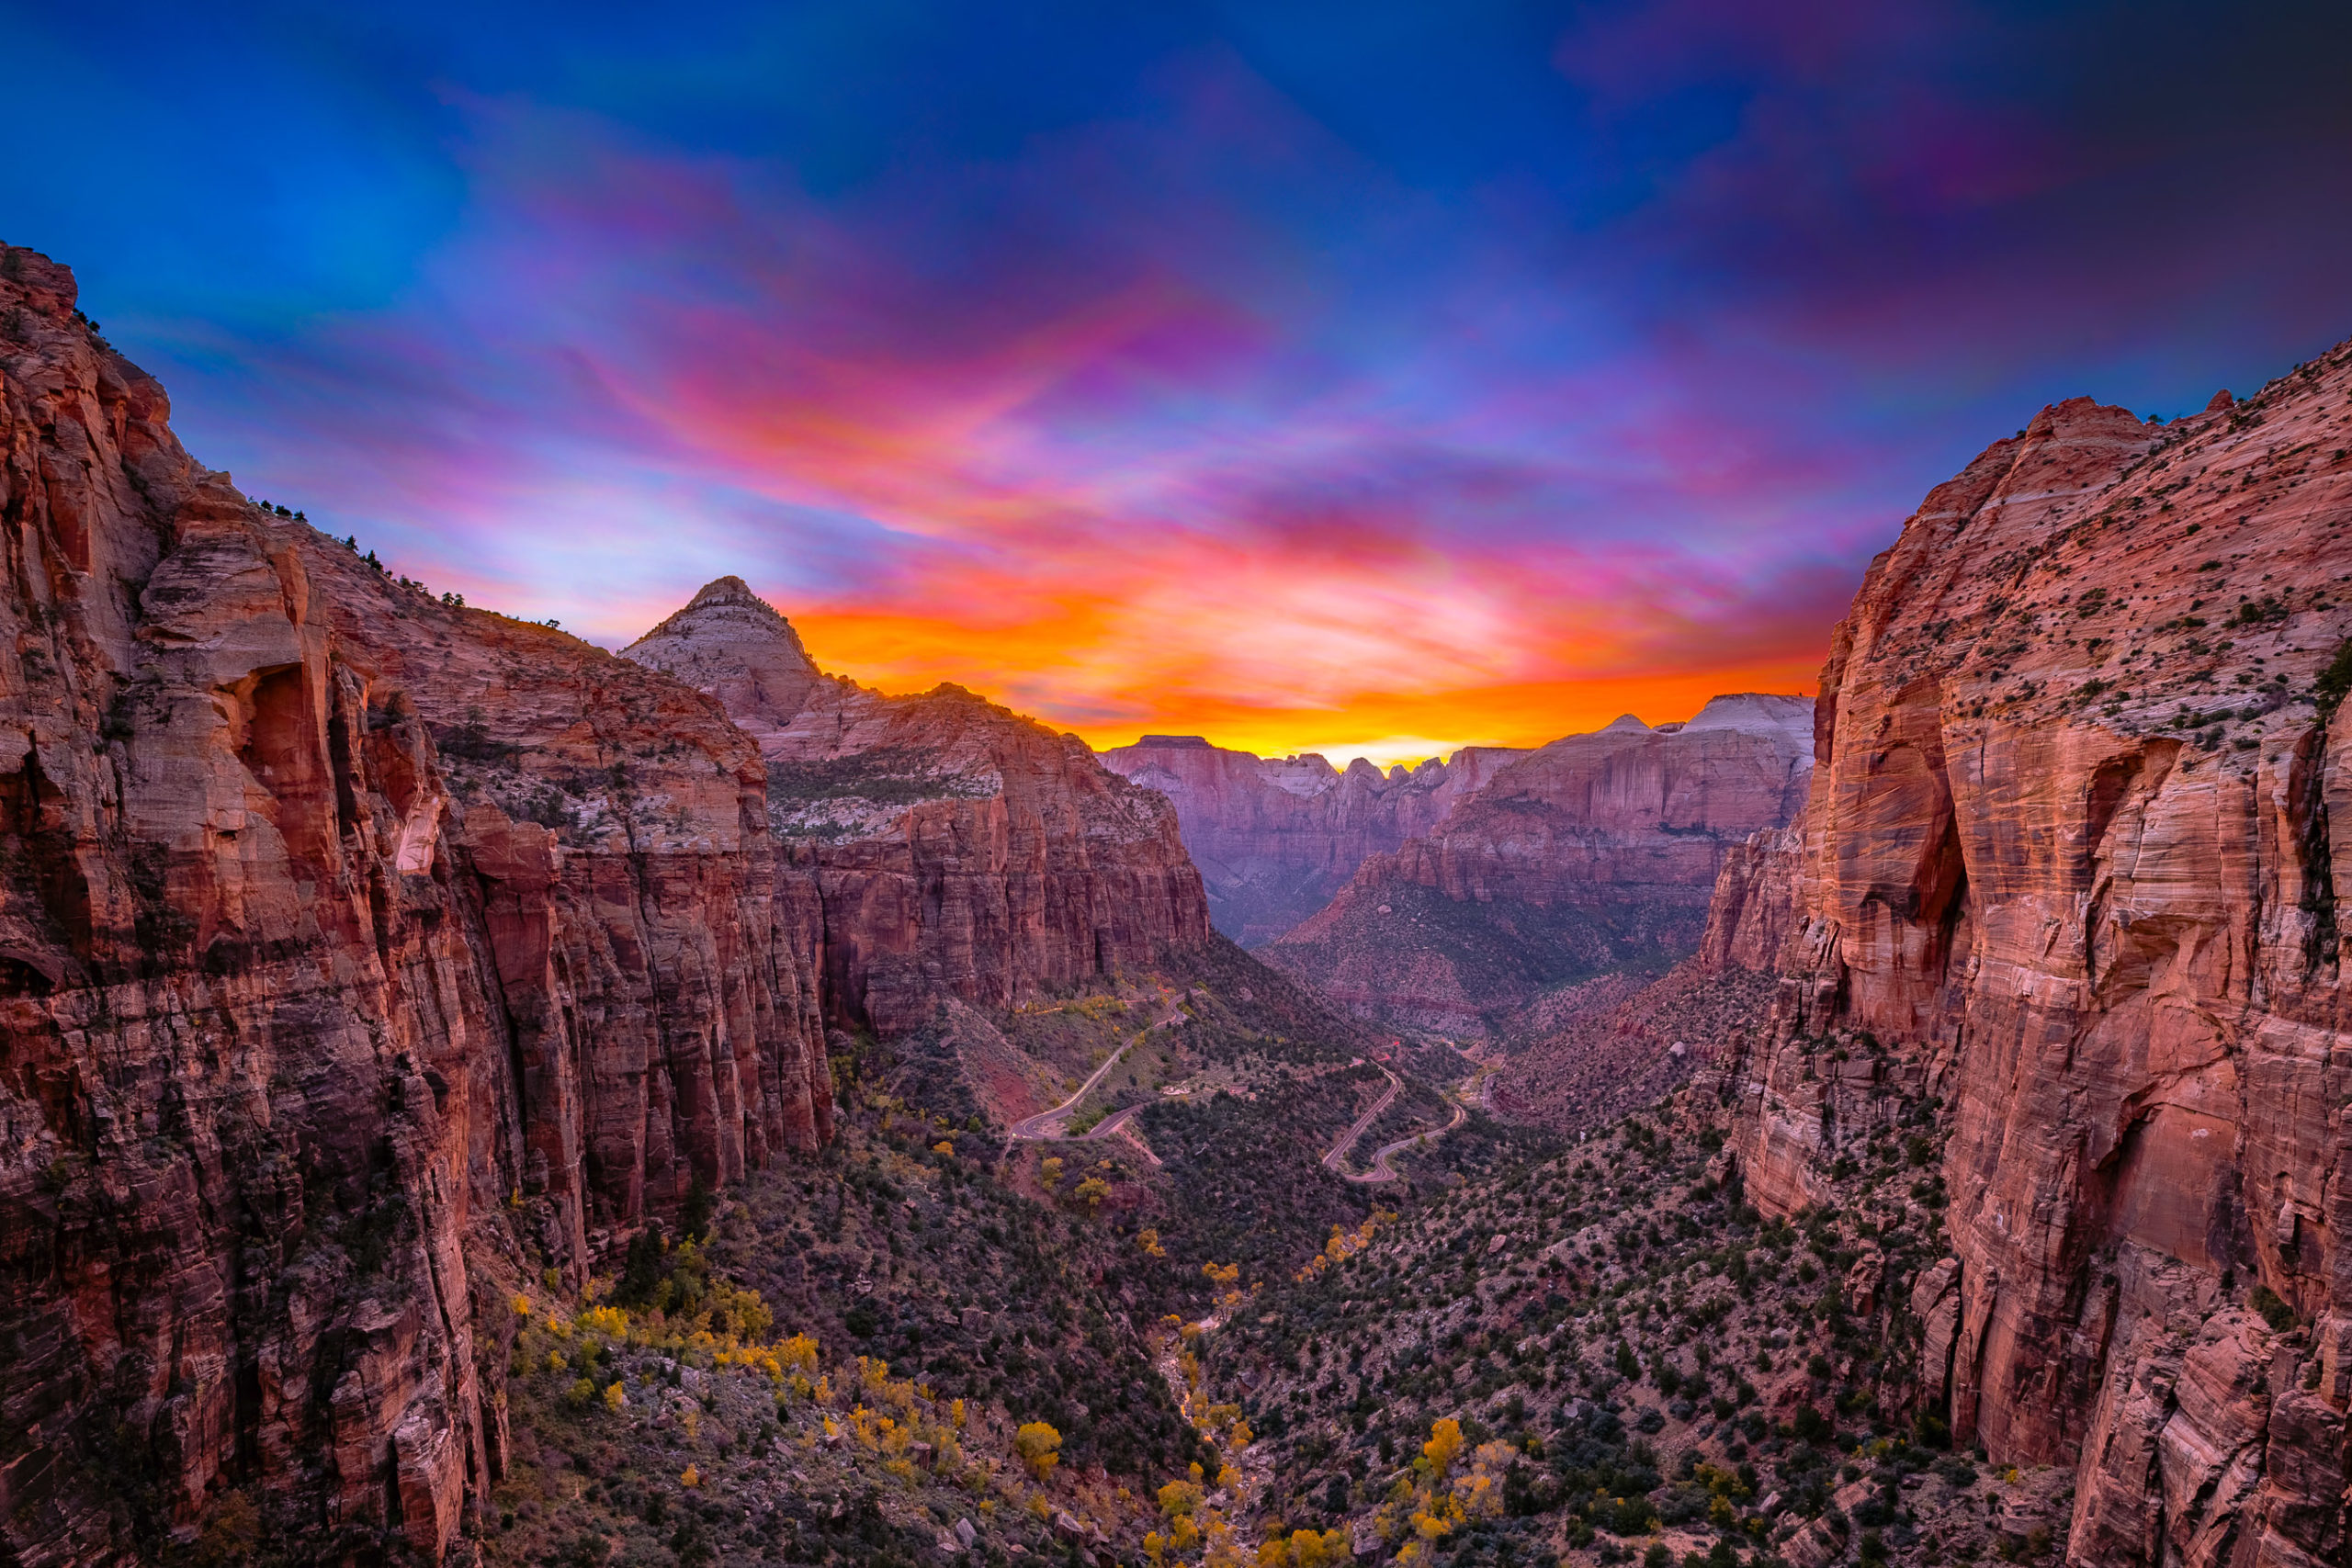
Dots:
pixel 1753 912
pixel 1593 853
pixel 1276 837
pixel 945 847
pixel 2072 853
pixel 359 955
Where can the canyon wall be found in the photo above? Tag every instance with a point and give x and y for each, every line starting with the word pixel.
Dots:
pixel 1593 853
pixel 360 955
pixel 1276 837
pixel 2071 852
pixel 945 846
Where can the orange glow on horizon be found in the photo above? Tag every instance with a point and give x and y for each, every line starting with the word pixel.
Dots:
pixel 901 654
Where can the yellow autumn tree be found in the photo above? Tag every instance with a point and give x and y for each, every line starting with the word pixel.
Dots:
pixel 1039 1446
pixel 1434 1509
pixel 1306 1549
pixel 1480 1490
pixel 1439 1453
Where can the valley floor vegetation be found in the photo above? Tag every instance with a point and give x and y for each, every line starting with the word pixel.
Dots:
pixel 932 1339
pixel 1608 1356
pixel 1199 1347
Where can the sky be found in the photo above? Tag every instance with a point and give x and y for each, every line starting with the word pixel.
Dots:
pixel 1362 378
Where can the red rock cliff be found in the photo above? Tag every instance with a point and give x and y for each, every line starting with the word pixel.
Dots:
pixel 1594 852
pixel 357 955
pixel 2073 847
pixel 1276 837
pixel 945 846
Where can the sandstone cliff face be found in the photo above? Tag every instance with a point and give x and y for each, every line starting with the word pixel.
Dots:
pixel 1595 852
pixel 1276 837
pixel 357 955
pixel 945 847
pixel 2074 847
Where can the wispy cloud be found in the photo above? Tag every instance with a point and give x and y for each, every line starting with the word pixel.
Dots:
pixel 1423 385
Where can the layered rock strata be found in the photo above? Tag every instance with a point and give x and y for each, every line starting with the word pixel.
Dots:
pixel 358 955
pixel 1276 837
pixel 946 847
pixel 2073 850
pixel 1595 852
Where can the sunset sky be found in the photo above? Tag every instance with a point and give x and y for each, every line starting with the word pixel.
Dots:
pixel 1353 378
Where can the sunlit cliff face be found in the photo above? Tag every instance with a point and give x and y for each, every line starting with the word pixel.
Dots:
pixel 1376 383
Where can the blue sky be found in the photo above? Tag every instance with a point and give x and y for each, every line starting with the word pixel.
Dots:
pixel 1364 378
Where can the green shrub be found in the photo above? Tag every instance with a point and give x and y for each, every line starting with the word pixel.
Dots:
pixel 1632 1516
pixel 695 1219
pixel 2275 1312
pixel 2335 682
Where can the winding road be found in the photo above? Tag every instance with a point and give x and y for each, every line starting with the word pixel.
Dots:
pixel 1054 1124
pixel 1348 1139
pixel 1112 1125
pixel 1380 1169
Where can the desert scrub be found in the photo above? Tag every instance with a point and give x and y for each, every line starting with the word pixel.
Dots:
pixel 887 776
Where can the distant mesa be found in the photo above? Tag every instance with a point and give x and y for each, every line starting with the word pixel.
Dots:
pixel 1275 837
pixel 1755 713
pixel 1595 853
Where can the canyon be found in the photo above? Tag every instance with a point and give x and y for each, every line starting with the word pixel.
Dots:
pixel 376 972
pixel 1593 854
pixel 363 955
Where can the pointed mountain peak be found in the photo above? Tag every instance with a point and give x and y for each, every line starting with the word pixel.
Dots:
pixel 735 645
pixel 729 590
